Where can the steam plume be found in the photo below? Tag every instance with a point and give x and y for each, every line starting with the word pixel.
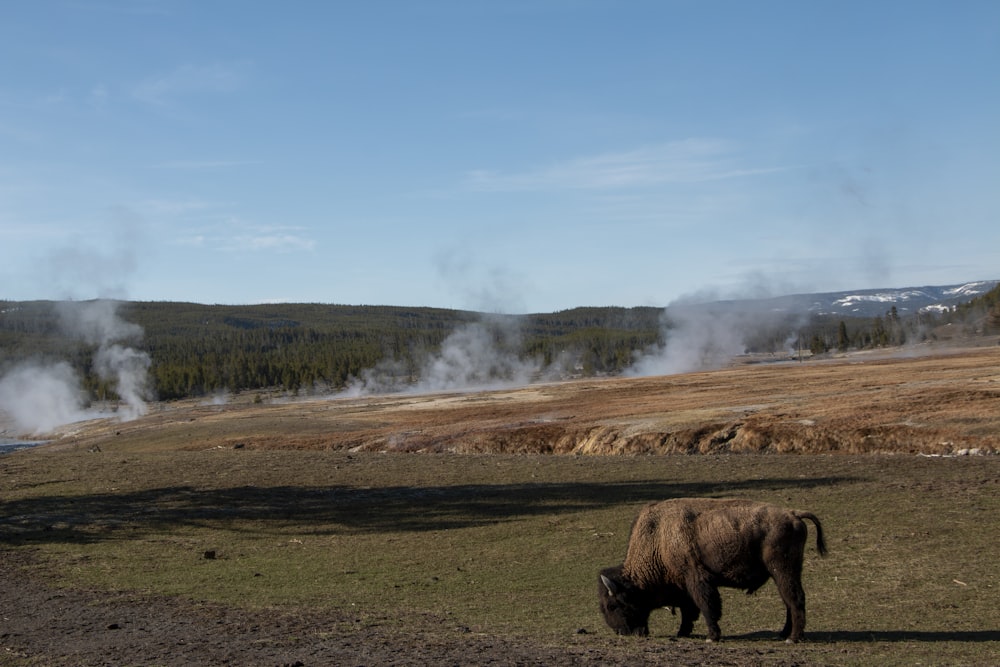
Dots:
pixel 39 397
pixel 478 355
pixel 696 339
pixel 98 323
pixel 127 369
pixel 704 336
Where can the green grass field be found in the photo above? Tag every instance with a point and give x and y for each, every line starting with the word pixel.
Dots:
pixel 510 545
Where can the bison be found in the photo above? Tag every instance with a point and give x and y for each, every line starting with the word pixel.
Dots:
pixel 680 551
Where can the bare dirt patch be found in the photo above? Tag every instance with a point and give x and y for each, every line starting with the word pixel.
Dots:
pixel 54 627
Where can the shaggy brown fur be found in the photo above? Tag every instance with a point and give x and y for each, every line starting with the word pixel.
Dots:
pixel 681 551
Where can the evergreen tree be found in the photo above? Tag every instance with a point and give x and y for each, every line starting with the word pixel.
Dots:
pixel 843 341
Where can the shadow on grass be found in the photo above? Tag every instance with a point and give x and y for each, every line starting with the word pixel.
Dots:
pixel 340 509
pixel 887 636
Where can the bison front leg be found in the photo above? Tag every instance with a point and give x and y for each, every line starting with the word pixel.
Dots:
pixel 787 630
pixel 707 599
pixel 689 614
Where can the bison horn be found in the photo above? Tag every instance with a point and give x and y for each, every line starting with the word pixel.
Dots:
pixel 609 584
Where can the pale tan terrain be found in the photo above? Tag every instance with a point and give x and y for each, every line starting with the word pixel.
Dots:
pixel 943 401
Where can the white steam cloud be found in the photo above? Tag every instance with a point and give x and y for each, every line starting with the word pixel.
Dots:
pixel 706 336
pixel 96 322
pixel 41 396
pixel 698 339
pixel 127 369
pixel 478 355
pixel 475 356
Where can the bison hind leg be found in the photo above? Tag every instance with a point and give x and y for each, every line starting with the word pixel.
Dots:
pixel 795 609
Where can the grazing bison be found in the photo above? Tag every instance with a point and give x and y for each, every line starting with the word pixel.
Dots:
pixel 680 551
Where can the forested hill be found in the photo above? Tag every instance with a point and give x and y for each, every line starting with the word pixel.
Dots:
pixel 198 349
pixel 193 349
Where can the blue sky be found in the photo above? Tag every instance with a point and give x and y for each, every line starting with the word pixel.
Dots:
pixel 508 156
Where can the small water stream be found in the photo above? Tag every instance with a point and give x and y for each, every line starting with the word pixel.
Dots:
pixel 7 445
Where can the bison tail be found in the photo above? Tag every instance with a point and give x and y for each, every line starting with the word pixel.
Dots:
pixel 820 542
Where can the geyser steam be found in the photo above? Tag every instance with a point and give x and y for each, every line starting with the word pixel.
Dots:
pixel 478 355
pixel 705 336
pixel 127 370
pixel 40 396
pixel 697 338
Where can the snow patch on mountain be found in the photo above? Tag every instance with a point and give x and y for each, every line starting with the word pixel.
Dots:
pixel 866 303
pixel 907 300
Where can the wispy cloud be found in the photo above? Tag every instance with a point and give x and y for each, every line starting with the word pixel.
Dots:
pixel 211 226
pixel 139 7
pixel 194 165
pixel 281 242
pixel 192 241
pixel 235 235
pixel 275 242
pixel 98 96
pixel 688 161
pixel 190 80
pixel 17 134
pixel 179 207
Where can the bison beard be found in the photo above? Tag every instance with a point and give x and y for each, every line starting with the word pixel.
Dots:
pixel 681 551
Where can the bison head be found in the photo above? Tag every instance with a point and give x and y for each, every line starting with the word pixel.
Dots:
pixel 622 604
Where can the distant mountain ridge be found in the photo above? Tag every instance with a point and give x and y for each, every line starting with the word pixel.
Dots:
pixel 870 302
